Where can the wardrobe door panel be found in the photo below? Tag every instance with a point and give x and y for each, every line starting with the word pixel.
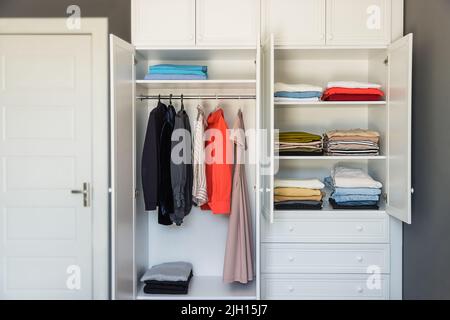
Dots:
pixel 227 23
pixel 399 122
pixel 294 22
pixel 358 23
pixel 123 183
pixel 163 23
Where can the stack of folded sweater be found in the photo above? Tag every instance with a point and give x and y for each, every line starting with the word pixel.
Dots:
pixel 353 189
pixel 168 278
pixel 355 142
pixel 352 91
pixel 177 72
pixel 298 194
pixel 299 144
pixel 296 92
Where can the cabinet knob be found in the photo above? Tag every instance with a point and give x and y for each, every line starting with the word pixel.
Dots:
pixel 359 228
pixel 330 37
pixel 291 289
pixel 359 258
pixel 268 189
pixel 291 229
pixel 261 189
pixel 360 290
pixel 291 259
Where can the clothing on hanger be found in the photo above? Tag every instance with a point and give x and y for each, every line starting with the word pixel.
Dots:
pixel 181 168
pixel 238 262
pixel 199 191
pixel 150 163
pixel 218 166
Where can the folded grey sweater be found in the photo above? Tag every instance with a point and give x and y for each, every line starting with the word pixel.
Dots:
pixel 170 271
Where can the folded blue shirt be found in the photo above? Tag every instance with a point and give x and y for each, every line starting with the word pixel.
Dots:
pixel 358 203
pixel 176 67
pixel 356 191
pixel 354 197
pixel 157 76
pixel 298 95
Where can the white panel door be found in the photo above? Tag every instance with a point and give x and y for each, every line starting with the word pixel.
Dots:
pixel 227 23
pixel 399 122
pixel 123 180
pixel 294 22
pixel 267 165
pixel 45 153
pixel 358 23
pixel 163 23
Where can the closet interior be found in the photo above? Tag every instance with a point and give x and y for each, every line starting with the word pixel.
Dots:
pixel 232 85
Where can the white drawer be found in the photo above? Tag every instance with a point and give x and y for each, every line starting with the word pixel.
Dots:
pixel 322 287
pixel 323 258
pixel 328 228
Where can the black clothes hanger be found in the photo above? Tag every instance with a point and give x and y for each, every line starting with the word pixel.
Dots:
pixel 159 98
pixel 170 99
pixel 182 104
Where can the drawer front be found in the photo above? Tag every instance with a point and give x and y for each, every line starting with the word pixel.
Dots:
pixel 324 258
pixel 323 287
pixel 327 229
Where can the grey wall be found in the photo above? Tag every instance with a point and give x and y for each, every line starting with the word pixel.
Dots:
pixel 427 240
pixel 118 11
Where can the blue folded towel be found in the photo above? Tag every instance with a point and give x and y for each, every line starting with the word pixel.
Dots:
pixel 354 198
pixel 358 203
pixel 157 76
pixel 178 67
pixel 298 95
pixel 351 191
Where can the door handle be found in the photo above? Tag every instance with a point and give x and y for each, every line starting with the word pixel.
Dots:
pixel 86 192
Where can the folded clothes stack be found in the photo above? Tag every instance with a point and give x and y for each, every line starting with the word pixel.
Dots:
pixel 168 278
pixel 296 92
pixel 353 189
pixel 299 144
pixel 298 194
pixel 177 72
pixel 352 91
pixel 355 142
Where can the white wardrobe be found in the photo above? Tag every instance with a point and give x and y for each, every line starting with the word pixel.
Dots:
pixel 323 254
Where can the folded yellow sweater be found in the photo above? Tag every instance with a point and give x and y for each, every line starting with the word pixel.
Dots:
pixel 296 192
pixel 310 198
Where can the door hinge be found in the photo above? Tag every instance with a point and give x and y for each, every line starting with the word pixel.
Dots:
pixel 136 193
pixel 386 61
pixel 135 61
pixel 385 197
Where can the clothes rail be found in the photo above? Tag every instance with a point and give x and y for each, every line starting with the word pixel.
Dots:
pixel 197 97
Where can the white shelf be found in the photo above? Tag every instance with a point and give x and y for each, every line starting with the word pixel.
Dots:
pixel 330 103
pixel 207 288
pixel 197 84
pixel 328 210
pixel 334 158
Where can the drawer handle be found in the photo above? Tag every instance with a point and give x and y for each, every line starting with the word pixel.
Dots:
pixel 360 228
pixel 359 258
pixel 291 229
pixel 360 290
pixel 291 289
pixel 291 259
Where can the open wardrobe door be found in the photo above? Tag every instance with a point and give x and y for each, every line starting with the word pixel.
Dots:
pixel 122 78
pixel 267 159
pixel 399 122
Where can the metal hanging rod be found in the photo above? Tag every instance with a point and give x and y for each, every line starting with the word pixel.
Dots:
pixel 197 97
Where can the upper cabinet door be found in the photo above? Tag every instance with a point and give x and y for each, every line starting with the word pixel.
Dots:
pixel 358 23
pixel 294 22
pixel 227 23
pixel 123 283
pixel 399 123
pixel 163 23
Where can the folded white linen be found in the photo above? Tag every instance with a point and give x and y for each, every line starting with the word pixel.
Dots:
pixel 353 85
pixel 280 86
pixel 299 183
pixel 353 178
pixel 290 100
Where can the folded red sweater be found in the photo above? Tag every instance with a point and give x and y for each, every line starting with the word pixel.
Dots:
pixel 353 97
pixel 352 93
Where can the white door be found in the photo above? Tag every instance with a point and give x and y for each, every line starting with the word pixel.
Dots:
pixel 227 23
pixel 399 122
pixel 267 164
pixel 123 179
pixel 45 153
pixel 358 23
pixel 295 23
pixel 163 23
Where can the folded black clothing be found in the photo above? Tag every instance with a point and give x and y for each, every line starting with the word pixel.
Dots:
pixel 150 290
pixel 170 283
pixel 300 153
pixel 337 206
pixel 298 205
